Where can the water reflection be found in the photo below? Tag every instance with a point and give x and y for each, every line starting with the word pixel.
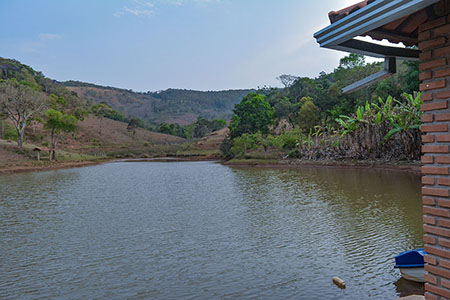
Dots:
pixel 205 231
pixel 351 222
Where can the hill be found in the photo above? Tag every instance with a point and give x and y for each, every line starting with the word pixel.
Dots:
pixel 169 106
pixel 94 138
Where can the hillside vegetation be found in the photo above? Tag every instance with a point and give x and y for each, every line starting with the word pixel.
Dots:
pixel 312 119
pixel 169 106
pixel 36 111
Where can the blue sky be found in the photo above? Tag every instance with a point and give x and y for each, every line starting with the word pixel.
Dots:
pixel 158 44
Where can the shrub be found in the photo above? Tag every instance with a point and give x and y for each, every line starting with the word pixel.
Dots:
pixel 10 132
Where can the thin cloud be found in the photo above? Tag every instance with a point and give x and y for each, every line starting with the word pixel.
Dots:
pixel 139 9
pixel 40 43
pixel 50 36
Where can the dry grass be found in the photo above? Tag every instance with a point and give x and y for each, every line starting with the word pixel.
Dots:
pixel 114 132
pixel 88 144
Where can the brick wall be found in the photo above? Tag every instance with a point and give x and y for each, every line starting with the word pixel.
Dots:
pixel 434 44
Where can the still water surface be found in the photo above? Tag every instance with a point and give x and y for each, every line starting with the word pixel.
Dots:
pixel 200 230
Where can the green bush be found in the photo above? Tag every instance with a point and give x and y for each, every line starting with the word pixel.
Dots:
pixel 287 140
pixel 10 132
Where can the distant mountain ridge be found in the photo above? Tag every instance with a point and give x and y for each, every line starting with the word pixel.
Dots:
pixel 170 106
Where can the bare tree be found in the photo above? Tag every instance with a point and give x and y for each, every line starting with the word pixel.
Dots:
pixel 287 80
pixel 20 103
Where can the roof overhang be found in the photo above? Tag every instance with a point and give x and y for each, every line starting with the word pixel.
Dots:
pixel 372 19
pixel 340 35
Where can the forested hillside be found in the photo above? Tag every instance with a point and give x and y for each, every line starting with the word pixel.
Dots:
pixel 37 112
pixel 169 106
pixel 312 119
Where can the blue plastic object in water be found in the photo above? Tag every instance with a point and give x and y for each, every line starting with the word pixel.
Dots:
pixel 410 259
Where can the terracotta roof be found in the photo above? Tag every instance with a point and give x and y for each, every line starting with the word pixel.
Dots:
pixel 404 30
pixel 335 16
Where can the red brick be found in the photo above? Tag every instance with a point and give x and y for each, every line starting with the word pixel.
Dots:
pixel 429 220
pixel 444 242
pixel 427 159
pixel 426 55
pixel 434 128
pixel 442 117
pixel 437 231
pixel 444 222
pixel 431 278
pixel 436 192
pixel 443 138
pixel 444 181
pixel 432 24
pixel 437 252
pixel 428 201
pixel 444 203
pixel 440 73
pixel 427 118
pixel 427 138
pixel 426 97
pixel 443 159
pixel 443 95
pixel 424 35
pixel 442 51
pixel 430 296
pixel 427 180
pixel 429 239
pixel 436 270
pixel 440 62
pixel 430 259
pixel 437 290
pixel 434 43
pixel 435 149
pixel 444 282
pixel 434 106
pixel 443 30
pixel 444 263
pixel 433 85
pixel 425 75
pixel 435 171
pixel 434 211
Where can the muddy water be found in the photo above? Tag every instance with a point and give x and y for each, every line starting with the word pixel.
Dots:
pixel 200 230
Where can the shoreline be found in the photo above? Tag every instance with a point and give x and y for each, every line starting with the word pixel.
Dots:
pixel 412 167
pixel 51 167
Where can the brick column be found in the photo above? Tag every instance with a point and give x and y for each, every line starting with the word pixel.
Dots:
pixel 434 43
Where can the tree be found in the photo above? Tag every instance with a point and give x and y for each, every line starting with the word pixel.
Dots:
pixel 3 117
pixel 253 114
pixel 20 103
pixel 352 60
pixel 101 110
pixel 133 124
pixel 287 80
pixel 58 122
pixel 164 128
pixel 308 116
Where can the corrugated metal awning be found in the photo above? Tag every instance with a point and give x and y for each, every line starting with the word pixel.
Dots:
pixel 394 20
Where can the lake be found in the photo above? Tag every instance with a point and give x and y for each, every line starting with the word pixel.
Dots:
pixel 201 230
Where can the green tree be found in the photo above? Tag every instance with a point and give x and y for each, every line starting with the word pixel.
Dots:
pixel 20 103
pixel 134 123
pixel 351 61
pixel 253 114
pixel 101 110
pixel 58 122
pixel 308 116
pixel 164 128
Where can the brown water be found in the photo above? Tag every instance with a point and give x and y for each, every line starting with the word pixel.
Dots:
pixel 200 230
